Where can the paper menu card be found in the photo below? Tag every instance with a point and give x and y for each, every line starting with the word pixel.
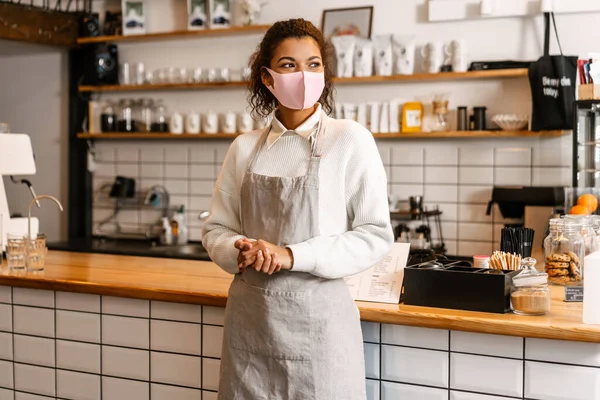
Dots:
pixel 382 283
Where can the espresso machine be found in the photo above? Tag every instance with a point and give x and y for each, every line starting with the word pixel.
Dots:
pixel 16 158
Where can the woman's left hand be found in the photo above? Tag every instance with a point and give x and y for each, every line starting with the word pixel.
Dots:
pixel 267 257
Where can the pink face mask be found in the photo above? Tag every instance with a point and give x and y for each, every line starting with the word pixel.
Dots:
pixel 297 90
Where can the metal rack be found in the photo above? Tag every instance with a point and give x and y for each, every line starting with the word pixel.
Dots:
pixel 586 143
pixel 437 244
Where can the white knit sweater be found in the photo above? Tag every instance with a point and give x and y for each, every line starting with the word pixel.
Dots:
pixel 354 219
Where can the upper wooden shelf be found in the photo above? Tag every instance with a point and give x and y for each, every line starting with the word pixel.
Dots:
pixel 176 34
pixel 416 135
pixel 490 74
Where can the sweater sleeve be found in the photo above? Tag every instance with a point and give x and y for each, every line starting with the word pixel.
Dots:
pixel 370 234
pixel 223 226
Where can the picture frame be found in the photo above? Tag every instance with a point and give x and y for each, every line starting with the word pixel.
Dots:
pixel 220 14
pixel 197 14
pixel 134 17
pixel 356 21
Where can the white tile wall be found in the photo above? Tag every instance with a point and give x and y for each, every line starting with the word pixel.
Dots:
pixel 414 336
pixel 174 393
pixel 213 315
pixel 176 312
pixel 75 385
pixel 373 390
pixel 78 302
pixel 396 391
pixel 34 321
pixel 371 331
pixel 210 373
pixel 124 331
pixel 6 394
pixel 33 297
pixel 6 346
pixel 176 337
pixel 80 326
pixel 209 395
pixel 5 294
pixel 212 341
pixel 127 307
pixel 6 374
pixel 489 345
pixel 28 396
pixel 123 389
pixel 33 379
pixel 425 367
pixel 454 395
pixel 34 350
pixel 468 372
pixel 5 317
pixel 559 382
pixel 76 356
pixel 561 351
pixel 125 363
pixel 176 369
pixel 372 360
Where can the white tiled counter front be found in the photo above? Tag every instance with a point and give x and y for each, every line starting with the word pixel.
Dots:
pixel 59 345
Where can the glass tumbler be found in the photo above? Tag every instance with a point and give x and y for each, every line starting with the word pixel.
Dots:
pixel 16 251
pixel 36 253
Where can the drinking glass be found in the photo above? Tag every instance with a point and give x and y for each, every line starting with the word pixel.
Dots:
pixel 16 251
pixel 36 253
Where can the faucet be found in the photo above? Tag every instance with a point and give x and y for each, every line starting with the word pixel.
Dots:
pixel 164 198
pixel 36 201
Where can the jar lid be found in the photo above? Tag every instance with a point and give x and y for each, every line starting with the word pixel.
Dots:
pixel 529 276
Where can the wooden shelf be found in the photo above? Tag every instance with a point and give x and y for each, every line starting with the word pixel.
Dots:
pixel 501 73
pixel 416 135
pixel 153 136
pixel 176 34
pixel 162 86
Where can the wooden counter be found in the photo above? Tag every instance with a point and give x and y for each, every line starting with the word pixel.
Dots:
pixel 204 283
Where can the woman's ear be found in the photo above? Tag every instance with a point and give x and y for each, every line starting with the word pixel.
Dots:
pixel 266 77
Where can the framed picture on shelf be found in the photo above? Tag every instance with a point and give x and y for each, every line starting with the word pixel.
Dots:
pixel 220 14
pixel 347 21
pixel 197 14
pixel 134 17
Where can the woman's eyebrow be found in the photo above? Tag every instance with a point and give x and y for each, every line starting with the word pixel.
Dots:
pixel 286 58
pixel 314 58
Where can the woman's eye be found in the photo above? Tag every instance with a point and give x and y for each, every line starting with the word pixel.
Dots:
pixel 315 65
pixel 287 65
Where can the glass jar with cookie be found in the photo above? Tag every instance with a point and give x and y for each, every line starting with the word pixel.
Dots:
pixel 564 249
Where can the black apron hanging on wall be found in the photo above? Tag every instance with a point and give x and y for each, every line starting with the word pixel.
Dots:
pixel 552 82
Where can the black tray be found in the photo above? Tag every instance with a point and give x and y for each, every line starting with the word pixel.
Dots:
pixel 458 287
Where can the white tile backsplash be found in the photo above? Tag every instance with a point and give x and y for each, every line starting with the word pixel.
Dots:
pixel 473 213
pixel 561 351
pixel 371 331
pixel 34 350
pixel 212 341
pixel 476 231
pixel 177 154
pixel 372 360
pixel 485 344
pixel 176 311
pixel 456 395
pixel 398 391
pixel 128 153
pixel 129 170
pixel 476 155
pixel 210 373
pixel 175 337
pixel 126 363
pixel 176 369
pixel 29 396
pixel 124 389
pixel 74 385
pixel 176 171
pixel 5 317
pixel 404 191
pixel 559 382
pixel 373 390
pixel 125 331
pixel 213 315
pixel 443 155
pixel 6 374
pixel 513 157
pixel 39 380
pixel 551 176
pixel 127 307
pixel 78 302
pixel 481 374
pixel 406 174
pixel 414 336
pixel 443 175
pixel 474 194
pixel 424 367
pixel 512 176
pixel 213 396
pixel 34 321
pixel 468 249
pixel 76 356
pixel 6 346
pixel 7 394
pixel 203 171
pixel 152 171
pixel 80 326
pixel 5 294
pixel 476 176
pixel 441 193
pixel 403 154
pixel 202 153
pixel 33 297
pixel 174 393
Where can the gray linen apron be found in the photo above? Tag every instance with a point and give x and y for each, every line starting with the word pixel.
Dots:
pixel 290 335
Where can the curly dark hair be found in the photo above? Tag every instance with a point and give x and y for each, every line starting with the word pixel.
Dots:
pixel 260 98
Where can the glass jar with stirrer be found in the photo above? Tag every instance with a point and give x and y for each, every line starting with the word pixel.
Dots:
pixel 440 113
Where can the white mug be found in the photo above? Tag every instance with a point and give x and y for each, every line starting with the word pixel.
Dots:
pixel 210 123
pixel 456 53
pixel 192 123
pixel 228 122
pixel 245 122
pixel 176 123
pixel 433 56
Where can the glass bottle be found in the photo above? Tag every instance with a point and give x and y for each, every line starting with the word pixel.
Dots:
pixel 108 118
pixel 146 115
pixel 530 294
pixel 587 231
pixel 596 227
pixel 564 249
pixel 161 118
pixel 126 122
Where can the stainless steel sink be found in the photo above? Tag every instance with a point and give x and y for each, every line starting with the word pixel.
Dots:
pixel 186 249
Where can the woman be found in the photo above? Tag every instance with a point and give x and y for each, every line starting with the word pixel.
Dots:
pixel 297 207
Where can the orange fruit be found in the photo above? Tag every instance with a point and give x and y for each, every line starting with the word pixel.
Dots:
pixel 589 201
pixel 579 210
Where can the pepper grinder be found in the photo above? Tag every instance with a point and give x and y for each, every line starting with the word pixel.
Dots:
pixel 478 119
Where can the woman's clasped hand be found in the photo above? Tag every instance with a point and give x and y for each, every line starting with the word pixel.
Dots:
pixel 262 256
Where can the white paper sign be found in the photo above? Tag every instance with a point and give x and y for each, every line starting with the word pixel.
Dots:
pixel 382 283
